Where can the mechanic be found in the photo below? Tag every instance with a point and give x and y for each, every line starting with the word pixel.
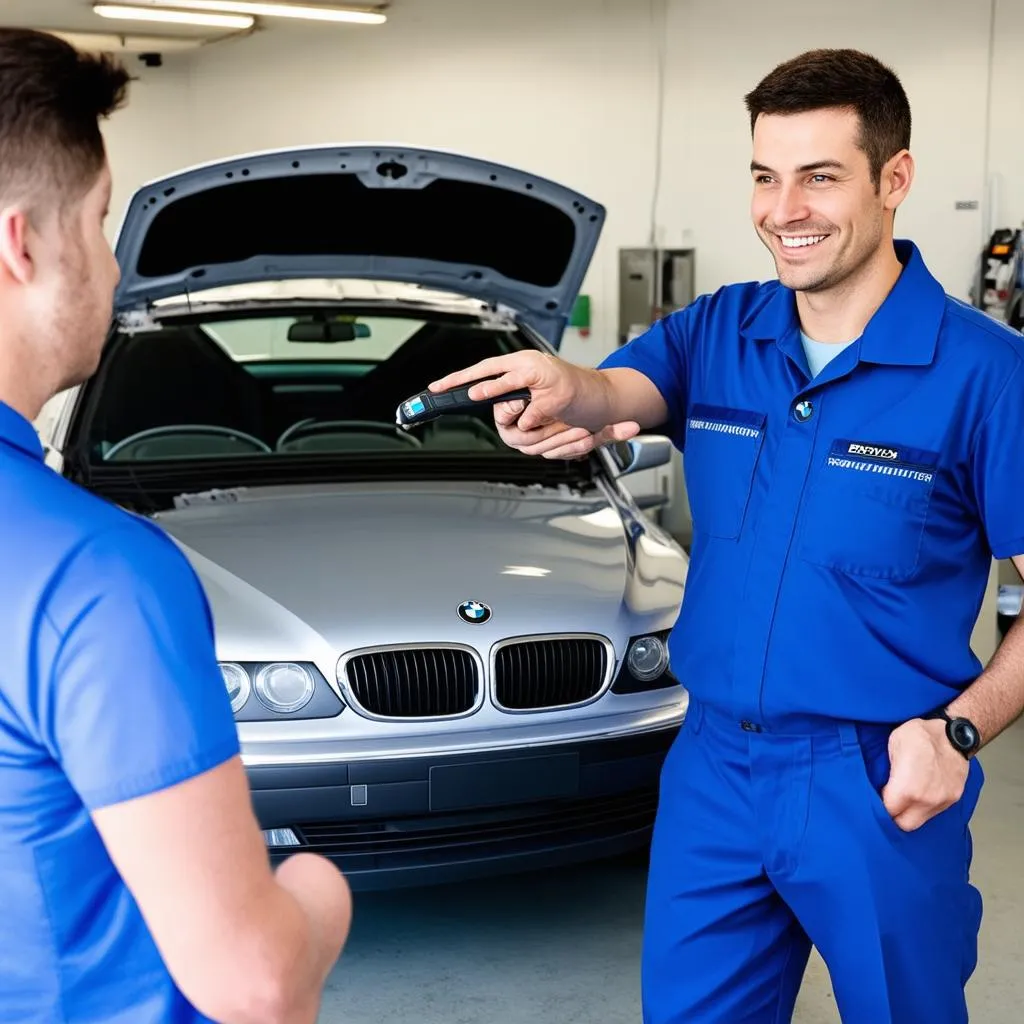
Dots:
pixel 854 445
pixel 134 880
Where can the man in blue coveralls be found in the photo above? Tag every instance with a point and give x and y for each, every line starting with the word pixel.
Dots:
pixel 854 454
pixel 135 886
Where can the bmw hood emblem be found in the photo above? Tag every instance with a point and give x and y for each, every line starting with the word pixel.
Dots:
pixel 474 612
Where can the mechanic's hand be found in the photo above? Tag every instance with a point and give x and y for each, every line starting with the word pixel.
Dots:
pixel 555 440
pixel 542 426
pixel 926 775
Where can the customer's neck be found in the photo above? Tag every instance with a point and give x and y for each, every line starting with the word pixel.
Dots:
pixel 23 386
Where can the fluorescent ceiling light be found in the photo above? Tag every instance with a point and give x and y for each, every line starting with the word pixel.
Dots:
pixel 101 43
pixel 122 12
pixel 262 9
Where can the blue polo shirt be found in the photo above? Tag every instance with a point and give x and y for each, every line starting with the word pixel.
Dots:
pixel 109 690
pixel 843 527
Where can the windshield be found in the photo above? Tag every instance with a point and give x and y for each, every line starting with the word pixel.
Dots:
pixel 306 395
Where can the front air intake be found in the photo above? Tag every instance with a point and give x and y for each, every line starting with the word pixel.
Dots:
pixel 546 674
pixel 413 682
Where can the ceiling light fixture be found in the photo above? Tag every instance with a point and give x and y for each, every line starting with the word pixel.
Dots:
pixel 263 9
pixel 123 12
pixel 96 42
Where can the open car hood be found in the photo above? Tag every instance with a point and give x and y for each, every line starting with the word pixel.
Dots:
pixel 383 213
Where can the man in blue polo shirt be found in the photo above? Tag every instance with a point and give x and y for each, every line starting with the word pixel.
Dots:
pixel 854 454
pixel 135 886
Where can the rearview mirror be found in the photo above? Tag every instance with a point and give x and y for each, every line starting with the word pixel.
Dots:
pixel 326 332
pixel 639 453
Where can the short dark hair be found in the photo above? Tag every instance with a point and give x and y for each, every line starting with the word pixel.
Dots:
pixel 841 78
pixel 52 97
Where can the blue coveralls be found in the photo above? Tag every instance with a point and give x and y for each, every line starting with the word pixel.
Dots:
pixel 843 534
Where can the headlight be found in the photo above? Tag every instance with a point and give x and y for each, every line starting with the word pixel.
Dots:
pixel 647 658
pixel 236 679
pixel 284 687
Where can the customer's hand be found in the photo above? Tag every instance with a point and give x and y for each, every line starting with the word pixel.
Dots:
pixel 565 417
pixel 926 776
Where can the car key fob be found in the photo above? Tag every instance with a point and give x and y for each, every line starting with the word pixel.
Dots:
pixel 429 405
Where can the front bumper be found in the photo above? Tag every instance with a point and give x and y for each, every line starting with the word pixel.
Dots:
pixel 425 820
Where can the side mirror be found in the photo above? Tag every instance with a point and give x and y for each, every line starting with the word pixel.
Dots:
pixel 645 452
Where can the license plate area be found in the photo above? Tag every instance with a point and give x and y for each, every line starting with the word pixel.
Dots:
pixel 499 783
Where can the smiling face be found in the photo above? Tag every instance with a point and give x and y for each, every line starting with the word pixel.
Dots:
pixel 815 205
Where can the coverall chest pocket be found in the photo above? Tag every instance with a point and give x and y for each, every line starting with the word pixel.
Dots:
pixel 867 509
pixel 722 448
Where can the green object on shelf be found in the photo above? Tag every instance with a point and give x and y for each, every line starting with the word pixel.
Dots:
pixel 580 316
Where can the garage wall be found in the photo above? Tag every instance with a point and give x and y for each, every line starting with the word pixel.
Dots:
pixel 1006 150
pixel 941 60
pixel 570 89
pixel 154 134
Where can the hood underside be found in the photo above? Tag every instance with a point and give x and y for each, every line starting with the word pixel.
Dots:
pixel 440 220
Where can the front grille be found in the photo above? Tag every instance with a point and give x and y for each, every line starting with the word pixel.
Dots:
pixel 423 840
pixel 533 674
pixel 414 683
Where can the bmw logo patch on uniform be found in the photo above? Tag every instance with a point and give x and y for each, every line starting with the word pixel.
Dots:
pixel 474 612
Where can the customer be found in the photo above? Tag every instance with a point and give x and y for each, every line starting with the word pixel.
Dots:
pixel 135 886
pixel 854 445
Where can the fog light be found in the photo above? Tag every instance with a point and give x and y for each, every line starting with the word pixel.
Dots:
pixel 236 679
pixel 280 837
pixel 647 658
pixel 284 687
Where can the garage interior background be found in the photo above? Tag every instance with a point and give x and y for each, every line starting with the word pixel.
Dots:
pixel 636 103
pixel 572 89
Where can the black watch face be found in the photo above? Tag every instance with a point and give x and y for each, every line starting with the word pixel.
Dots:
pixel 963 734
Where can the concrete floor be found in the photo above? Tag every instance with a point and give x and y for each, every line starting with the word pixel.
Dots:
pixel 564 948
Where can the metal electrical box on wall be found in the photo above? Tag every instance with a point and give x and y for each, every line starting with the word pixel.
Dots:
pixel 652 283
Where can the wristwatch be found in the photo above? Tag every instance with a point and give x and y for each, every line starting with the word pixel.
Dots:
pixel 962 733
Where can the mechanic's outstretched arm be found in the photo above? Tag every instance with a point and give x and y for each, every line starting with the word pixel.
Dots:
pixel 140 722
pixel 572 409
